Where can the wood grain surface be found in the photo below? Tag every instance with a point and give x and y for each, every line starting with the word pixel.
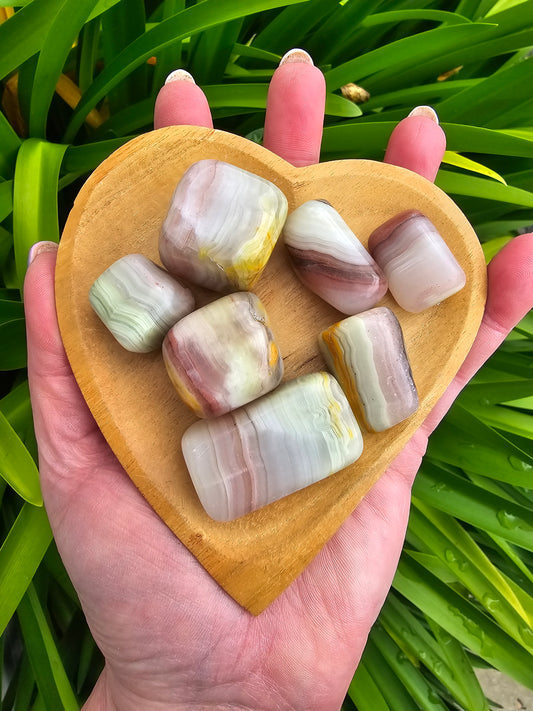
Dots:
pixel 119 211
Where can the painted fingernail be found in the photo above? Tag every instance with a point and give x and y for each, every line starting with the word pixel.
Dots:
pixel 39 248
pixel 296 55
pixel 425 111
pixel 179 75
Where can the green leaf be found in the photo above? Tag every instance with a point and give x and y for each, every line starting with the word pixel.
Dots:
pixel 419 94
pixel 339 25
pixel 458 660
pixel 46 663
pixel 10 310
pixel 458 184
pixel 16 407
pixel 122 25
pixel 17 466
pixel 412 679
pixel 445 537
pixel 35 215
pixel 511 421
pixel 364 692
pixel 10 143
pixel 210 51
pixel 25 686
pixel 506 35
pixel 453 158
pixel 89 39
pixel 6 199
pixel 493 246
pixel 394 692
pixel 13 333
pixel 402 624
pixel 473 504
pixel 84 158
pixel 405 52
pixel 395 16
pixel 245 50
pixel 475 139
pixel 20 556
pixel 185 24
pixel 490 393
pixel 101 7
pixel 293 24
pixel 369 139
pixel 66 24
pixel 168 58
pixel 502 5
pixel 463 440
pixel 463 620
pixel 23 35
pixel 489 99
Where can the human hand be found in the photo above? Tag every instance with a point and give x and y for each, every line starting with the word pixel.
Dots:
pixel 172 638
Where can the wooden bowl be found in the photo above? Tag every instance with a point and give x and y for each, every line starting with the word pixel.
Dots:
pixel 119 211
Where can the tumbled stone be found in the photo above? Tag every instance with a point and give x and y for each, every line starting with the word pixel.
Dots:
pixel 223 355
pixel 330 260
pixel 138 302
pixel 222 225
pixel 366 353
pixel 283 442
pixel 421 269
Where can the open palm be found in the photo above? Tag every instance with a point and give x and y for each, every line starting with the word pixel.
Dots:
pixel 172 638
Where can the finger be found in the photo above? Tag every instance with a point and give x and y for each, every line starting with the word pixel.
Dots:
pixel 181 102
pixel 295 109
pixel 510 297
pixel 417 143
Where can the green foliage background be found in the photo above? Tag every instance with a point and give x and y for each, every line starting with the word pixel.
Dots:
pixel 80 79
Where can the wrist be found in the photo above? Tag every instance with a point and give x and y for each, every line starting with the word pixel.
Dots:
pixel 105 697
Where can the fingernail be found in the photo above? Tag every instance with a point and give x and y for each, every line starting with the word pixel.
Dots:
pixel 296 55
pixel 40 247
pixel 425 111
pixel 179 75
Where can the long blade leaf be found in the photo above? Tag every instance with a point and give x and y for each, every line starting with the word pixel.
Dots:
pixel 20 556
pixel 176 28
pixel 35 197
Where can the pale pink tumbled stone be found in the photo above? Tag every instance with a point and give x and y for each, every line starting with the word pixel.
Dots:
pixel 420 268
pixel 283 442
pixel 223 355
pixel 222 225
pixel 330 260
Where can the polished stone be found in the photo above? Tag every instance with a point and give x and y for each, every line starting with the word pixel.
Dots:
pixel 330 260
pixel 222 225
pixel 139 302
pixel 283 442
pixel 421 269
pixel 223 355
pixel 366 353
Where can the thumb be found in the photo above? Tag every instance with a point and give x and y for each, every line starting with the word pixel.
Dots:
pixel 64 425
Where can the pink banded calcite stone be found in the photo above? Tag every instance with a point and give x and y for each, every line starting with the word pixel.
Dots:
pixel 283 442
pixel 330 260
pixel 366 353
pixel 222 225
pixel 223 355
pixel 420 267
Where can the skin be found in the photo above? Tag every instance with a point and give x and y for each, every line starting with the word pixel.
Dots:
pixel 173 639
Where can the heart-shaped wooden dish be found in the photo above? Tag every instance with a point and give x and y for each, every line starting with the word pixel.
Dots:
pixel 119 211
